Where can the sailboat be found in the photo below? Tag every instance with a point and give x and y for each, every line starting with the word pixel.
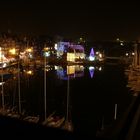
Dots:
pixel 32 119
pixel 52 120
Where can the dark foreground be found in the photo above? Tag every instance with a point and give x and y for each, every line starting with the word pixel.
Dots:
pixel 128 128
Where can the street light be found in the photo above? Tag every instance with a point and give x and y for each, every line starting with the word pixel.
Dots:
pixel 29 50
pixel 12 51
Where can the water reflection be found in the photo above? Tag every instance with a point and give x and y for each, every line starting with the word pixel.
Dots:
pixel 91 70
pixel 21 89
pixel 133 80
pixel 72 71
pixel 63 100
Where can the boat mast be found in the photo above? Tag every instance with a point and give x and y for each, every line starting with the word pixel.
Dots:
pixel 19 90
pixel 68 91
pixel 45 87
pixel 115 113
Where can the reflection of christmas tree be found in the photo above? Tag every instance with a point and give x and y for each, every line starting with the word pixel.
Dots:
pixel 91 70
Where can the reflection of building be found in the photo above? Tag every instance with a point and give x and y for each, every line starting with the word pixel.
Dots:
pixel 75 71
pixel 49 50
pixel 71 71
pixel 70 51
pixel 133 81
pixel 134 72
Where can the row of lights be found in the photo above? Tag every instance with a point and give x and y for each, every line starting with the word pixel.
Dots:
pixel 127 54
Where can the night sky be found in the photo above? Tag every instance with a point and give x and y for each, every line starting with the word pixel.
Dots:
pixel 95 20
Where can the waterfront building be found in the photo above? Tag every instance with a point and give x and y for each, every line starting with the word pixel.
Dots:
pixel 136 58
pixel 70 52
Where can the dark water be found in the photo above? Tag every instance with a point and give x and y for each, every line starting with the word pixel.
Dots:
pixel 93 94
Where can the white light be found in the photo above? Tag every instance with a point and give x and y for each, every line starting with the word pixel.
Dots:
pixel 100 55
pixel 30 55
pixel 91 68
pixel 56 67
pixel 133 53
pixel 4 65
pixel 55 46
pixel 97 52
pixel 91 58
pixel 126 54
pixel 118 39
pixel 47 54
pixel 100 68
pixel 1 83
pixel 121 44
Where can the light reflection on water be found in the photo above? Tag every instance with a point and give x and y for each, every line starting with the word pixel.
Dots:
pixel 77 97
pixel 72 71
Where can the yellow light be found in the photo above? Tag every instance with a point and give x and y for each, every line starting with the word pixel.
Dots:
pixel 70 70
pixel 0 53
pixel 12 51
pixel 29 50
pixel 29 72
pixel 71 57
pixel 46 49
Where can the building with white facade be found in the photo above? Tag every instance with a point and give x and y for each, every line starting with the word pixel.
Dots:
pixel 70 51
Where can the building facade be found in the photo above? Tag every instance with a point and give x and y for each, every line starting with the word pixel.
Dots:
pixel 70 51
